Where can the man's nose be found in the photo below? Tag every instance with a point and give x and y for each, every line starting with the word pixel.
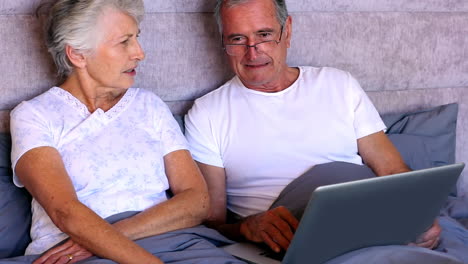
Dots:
pixel 251 52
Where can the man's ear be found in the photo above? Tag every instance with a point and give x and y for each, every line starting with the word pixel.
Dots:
pixel 76 58
pixel 288 30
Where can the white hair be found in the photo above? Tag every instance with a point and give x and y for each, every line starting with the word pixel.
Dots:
pixel 73 23
pixel 280 7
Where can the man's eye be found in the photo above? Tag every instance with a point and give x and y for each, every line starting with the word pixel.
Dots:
pixel 237 39
pixel 265 35
pixel 124 42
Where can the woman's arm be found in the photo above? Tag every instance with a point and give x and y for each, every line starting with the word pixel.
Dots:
pixel 42 172
pixel 188 207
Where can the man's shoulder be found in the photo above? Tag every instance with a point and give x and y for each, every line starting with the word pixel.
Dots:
pixel 323 71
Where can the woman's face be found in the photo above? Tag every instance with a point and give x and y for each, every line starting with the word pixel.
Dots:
pixel 112 64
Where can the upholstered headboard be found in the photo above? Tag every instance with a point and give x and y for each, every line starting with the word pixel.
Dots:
pixel 408 55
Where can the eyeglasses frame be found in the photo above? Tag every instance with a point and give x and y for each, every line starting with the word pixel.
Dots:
pixel 250 46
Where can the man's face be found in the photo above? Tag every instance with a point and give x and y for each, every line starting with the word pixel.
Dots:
pixel 251 23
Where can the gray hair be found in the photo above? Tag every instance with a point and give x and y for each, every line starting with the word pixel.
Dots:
pixel 73 23
pixel 280 6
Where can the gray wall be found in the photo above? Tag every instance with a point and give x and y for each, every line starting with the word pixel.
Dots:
pixel 408 54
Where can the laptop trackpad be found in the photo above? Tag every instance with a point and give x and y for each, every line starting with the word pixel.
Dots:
pixel 253 253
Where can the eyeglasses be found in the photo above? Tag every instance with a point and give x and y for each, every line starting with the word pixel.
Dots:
pixel 241 49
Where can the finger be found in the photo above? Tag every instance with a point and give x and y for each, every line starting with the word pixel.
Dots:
pixel 277 235
pixel 429 236
pixel 52 252
pixel 79 256
pixel 270 242
pixel 249 229
pixel 72 254
pixel 69 256
pixel 427 243
pixel 64 259
pixel 435 244
pixel 57 258
pixel 280 226
pixel 434 231
pixel 287 216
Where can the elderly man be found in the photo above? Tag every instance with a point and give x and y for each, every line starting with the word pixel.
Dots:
pixel 271 123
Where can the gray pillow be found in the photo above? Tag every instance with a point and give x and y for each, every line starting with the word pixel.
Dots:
pixel 15 207
pixel 424 138
pixel 181 122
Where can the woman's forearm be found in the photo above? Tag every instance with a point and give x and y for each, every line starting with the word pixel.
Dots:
pixel 99 237
pixel 186 209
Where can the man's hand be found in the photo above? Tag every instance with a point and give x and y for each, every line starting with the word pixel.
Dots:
pixel 274 227
pixel 430 238
pixel 69 252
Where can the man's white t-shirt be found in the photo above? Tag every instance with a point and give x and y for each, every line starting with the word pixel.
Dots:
pixel 114 158
pixel 266 140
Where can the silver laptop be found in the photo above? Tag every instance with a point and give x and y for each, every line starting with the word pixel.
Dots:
pixel 339 218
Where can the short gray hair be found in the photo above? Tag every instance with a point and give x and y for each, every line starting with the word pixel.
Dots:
pixel 73 23
pixel 280 6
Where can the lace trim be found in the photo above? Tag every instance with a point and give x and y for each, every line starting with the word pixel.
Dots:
pixel 122 104
pixel 118 108
pixel 71 100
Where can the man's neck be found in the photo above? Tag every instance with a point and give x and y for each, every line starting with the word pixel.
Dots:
pixel 286 79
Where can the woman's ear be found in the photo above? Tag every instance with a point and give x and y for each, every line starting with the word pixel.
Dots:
pixel 76 58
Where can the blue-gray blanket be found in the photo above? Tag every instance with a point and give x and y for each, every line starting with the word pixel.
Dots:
pixel 191 245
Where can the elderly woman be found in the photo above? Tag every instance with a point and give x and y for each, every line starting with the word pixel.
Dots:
pixel 93 147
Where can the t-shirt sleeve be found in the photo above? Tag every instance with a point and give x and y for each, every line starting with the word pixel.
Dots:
pixel 172 138
pixel 29 129
pixel 366 118
pixel 200 136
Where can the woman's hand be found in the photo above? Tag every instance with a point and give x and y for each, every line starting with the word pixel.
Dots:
pixel 69 252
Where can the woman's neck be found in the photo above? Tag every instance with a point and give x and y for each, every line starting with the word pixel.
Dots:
pixel 94 97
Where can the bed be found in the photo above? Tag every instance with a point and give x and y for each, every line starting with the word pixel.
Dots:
pixel 410 58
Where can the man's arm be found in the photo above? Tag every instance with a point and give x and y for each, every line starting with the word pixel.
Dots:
pixel 379 153
pixel 274 227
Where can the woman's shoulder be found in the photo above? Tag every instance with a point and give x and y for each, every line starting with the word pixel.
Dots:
pixel 145 94
pixel 148 104
pixel 39 103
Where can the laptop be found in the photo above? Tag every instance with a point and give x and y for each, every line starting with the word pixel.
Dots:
pixel 339 218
